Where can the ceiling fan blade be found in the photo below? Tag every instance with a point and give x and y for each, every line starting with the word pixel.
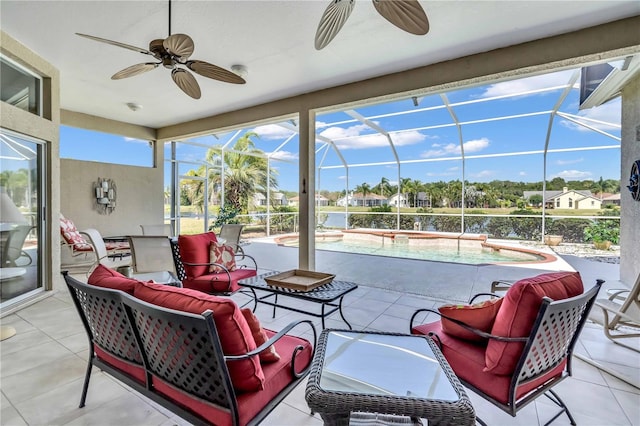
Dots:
pixel 116 43
pixel 206 69
pixel 134 70
pixel 180 45
pixel 187 82
pixel 333 18
pixel 407 15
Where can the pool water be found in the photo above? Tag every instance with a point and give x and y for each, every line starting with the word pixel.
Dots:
pixel 439 253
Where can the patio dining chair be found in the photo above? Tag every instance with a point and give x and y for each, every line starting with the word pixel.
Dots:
pixel 230 233
pixel 15 254
pixel 514 349
pixel 161 229
pixel 151 253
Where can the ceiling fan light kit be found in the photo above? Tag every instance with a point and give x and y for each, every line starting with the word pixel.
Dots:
pixel 408 15
pixel 172 52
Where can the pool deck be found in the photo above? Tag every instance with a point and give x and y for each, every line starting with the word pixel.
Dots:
pixel 445 281
pixel 390 290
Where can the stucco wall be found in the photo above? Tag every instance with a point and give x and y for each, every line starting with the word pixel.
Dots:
pixel 140 196
pixel 630 209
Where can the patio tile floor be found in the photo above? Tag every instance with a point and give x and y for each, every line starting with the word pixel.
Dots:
pixel 42 367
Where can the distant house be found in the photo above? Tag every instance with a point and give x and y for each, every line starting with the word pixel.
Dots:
pixel 568 199
pixel 321 200
pixel 611 199
pixel 357 199
pixel 276 199
pixel 398 200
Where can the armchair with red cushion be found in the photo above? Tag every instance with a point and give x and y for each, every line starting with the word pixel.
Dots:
pixel 511 350
pixel 205 265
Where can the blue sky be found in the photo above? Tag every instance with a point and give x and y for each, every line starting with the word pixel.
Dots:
pixel 425 136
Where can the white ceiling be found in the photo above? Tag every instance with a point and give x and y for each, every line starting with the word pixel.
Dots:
pixel 274 39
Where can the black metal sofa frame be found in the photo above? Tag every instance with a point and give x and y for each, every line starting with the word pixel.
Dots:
pixel 143 335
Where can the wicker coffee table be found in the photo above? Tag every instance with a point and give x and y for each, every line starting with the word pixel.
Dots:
pixel 329 296
pixel 384 373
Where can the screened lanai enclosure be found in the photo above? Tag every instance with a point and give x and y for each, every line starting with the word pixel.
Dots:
pixel 516 159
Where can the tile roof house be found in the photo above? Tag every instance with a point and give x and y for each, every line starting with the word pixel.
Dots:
pixel 567 199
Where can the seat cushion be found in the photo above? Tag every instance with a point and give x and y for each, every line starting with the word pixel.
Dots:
pixel 107 277
pixel 518 313
pixel 233 330
pixel 467 360
pixel 277 377
pixel 195 249
pixel 479 315
pixel 72 237
pixel 219 283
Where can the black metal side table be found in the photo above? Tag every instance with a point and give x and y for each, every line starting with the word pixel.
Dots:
pixel 328 296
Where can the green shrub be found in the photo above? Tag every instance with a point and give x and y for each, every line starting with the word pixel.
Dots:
pixel 572 230
pixel 603 230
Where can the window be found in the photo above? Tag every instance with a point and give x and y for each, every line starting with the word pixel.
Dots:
pixel 558 203
pixel 20 88
pixel 89 145
pixel 570 202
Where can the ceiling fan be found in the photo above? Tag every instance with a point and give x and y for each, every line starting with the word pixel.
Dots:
pixel 407 15
pixel 171 52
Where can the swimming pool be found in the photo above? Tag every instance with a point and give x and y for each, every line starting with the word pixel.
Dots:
pixel 468 249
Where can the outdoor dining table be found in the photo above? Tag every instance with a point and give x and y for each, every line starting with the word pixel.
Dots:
pixel 391 374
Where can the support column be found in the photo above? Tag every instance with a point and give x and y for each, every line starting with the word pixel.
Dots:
pixel 307 191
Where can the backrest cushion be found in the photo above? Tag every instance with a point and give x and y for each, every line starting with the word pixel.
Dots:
pixel 519 311
pixel 195 249
pixel 222 255
pixel 71 235
pixel 233 330
pixel 108 278
pixel 479 315
pixel 260 336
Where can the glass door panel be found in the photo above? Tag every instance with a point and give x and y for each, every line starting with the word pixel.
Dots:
pixel 21 176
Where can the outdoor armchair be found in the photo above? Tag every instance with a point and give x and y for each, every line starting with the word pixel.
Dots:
pixel 205 265
pixel 512 350
pixel 622 314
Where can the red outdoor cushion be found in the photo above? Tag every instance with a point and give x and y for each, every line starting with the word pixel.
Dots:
pixel 106 277
pixel 277 377
pixel 479 315
pixel 519 311
pixel 233 330
pixel 195 249
pixel 467 360
pixel 260 336
pixel 218 283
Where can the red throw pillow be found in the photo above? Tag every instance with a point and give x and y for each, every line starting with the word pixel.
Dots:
pixel 519 311
pixel 259 335
pixel 233 330
pixel 195 249
pixel 108 278
pixel 222 255
pixel 479 315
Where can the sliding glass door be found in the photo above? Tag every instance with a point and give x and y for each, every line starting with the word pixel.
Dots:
pixel 21 219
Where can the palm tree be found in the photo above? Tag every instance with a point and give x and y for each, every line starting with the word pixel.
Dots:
pixel 384 186
pixel 365 189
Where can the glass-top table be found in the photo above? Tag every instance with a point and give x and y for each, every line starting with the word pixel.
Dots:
pixel 384 373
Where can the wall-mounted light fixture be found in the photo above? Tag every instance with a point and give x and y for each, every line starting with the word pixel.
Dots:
pixel 105 192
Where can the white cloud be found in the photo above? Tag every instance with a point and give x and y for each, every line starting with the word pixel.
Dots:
pixel 128 139
pixel 454 149
pixel 527 84
pixel 272 131
pixel 285 156
pixel 440 174
pixel 608 113
pixel 522 174
pixel 566 162
pixel 354 137
pixel 484 174
pixel 574 174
